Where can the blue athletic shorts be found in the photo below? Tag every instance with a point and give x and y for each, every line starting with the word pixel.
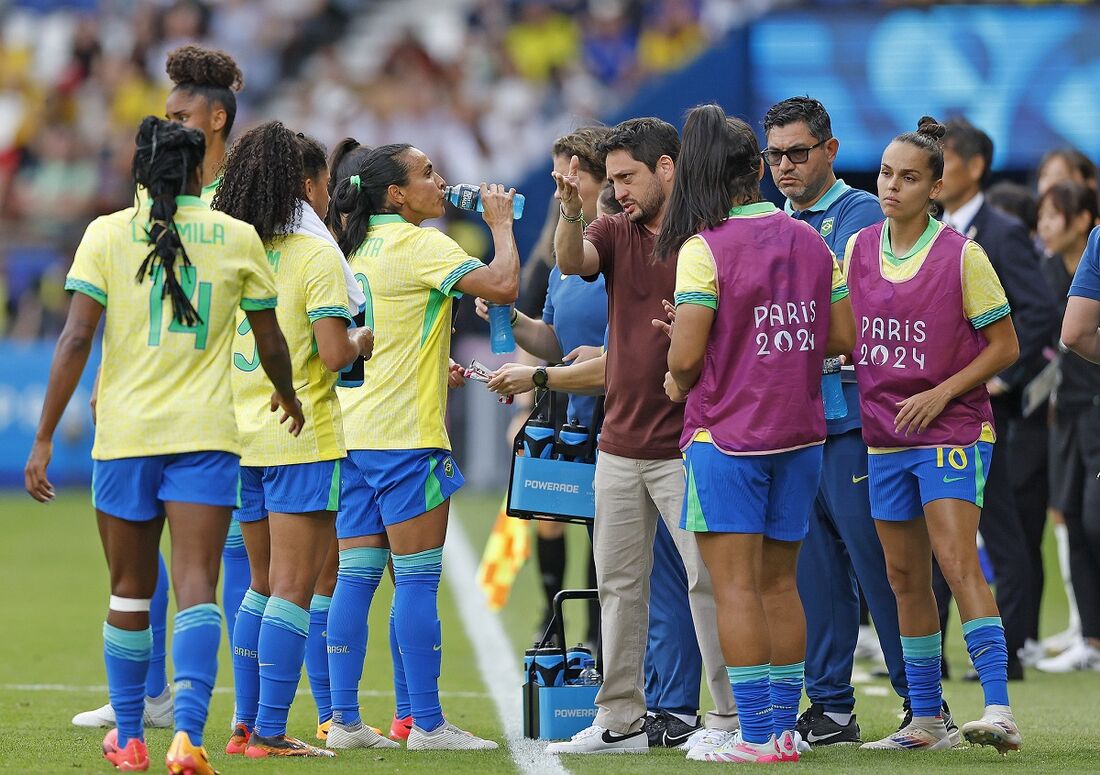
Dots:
pixel 902 482
pixel 768 494
pixel 296 489
pixel 389 486
pixel 136 488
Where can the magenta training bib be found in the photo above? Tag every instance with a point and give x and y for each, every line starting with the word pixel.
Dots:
pixel 760 388
pixel 910 337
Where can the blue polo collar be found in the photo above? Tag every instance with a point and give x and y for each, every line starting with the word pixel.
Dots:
pixel 834 193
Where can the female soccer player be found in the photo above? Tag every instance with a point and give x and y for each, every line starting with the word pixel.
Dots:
pixel 166 442
pixel 399 473
pixel 760 303
pixel 204 99
pixel 289 488
pixel 933 326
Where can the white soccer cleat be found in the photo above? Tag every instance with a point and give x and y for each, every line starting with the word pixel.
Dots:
pixel 913 737
pixel 705 741
pixel 359 736
pixel 997 727
pixel 597 739
pixel 1080 656
pixel 158 713
pixel 1056 644
pixel 867 644
pixel 737 751
pixel 447 737
pixel 1031 653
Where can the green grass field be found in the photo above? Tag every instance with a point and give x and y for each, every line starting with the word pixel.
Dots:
pixel 54 588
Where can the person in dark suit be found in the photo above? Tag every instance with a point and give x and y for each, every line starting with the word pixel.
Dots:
pixel 968 155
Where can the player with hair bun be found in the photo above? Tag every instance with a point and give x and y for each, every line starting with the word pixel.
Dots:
pixel 166 444
pixel 933 325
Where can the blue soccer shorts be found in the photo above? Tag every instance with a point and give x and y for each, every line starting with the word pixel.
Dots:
pixel 902 482
pixel 293 489
pixel 136 488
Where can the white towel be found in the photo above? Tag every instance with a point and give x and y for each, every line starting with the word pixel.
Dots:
pixel 311 225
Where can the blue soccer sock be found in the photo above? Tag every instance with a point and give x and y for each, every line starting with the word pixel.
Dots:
pixel 156 680
pixel 237 574
pixel 752 693
pixel 416 611
pixel 317 656
pixel 786 692
pixel 246 666
pixel 356 581
pixel 126 654
pixel 281 653
pixel 985 640
pixel 400 687
pixel 922 670
pixel 196 635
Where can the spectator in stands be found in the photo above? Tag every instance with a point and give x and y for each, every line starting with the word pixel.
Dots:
pixel 1065 164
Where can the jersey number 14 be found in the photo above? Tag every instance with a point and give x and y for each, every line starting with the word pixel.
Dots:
pixel 157 302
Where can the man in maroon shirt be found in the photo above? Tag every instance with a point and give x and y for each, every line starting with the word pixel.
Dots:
pixel 639 471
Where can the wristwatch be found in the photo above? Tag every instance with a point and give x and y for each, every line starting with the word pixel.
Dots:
pixel 539 377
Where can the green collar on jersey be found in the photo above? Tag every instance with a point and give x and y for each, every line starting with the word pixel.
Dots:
pixel 930 232
pixel 191 201
pixel 747 211
pixel 381 218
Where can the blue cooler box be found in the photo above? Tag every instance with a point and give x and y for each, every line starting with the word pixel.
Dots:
pixel 562 709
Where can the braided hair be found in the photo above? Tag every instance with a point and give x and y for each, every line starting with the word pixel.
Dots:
pixel 363 194
pixel 264 181
pixel 166 160
pixel 211 74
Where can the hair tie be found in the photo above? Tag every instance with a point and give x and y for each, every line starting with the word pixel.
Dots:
pixel 354 181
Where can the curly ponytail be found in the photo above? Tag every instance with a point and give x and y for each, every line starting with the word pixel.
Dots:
pixel 166 159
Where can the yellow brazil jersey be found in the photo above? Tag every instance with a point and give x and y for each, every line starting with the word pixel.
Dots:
pixel 310 282
pixel 163 386
pixel 408 274
pixel 984 298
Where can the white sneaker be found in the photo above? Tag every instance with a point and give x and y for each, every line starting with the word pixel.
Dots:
pixel 1080 656
pixel 913 737
pixel 1031 653
pixel 1056 644
pixel 737 751
pixel 706 741
pixel 997 727
pixel 867 645
pixel 158 713
pixel 597 739
pixel 447 737
pixel 358 736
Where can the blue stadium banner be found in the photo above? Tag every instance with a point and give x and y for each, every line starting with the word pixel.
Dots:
pixel 1030 77
pixel 23 379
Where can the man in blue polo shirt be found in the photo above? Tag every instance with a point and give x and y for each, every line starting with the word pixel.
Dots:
pixel 842 546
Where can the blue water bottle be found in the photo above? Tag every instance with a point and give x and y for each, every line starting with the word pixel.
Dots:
pixel 538 439
pixel 467 197
pixel 500 328
pixel 832 393
pixel 352 376
pixel 572 442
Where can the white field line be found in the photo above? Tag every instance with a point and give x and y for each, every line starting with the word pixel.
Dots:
pixel 496 659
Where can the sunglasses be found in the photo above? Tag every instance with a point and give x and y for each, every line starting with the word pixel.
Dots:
pixel 774 157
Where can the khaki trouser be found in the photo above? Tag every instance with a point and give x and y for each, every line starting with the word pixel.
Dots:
pixel 630 496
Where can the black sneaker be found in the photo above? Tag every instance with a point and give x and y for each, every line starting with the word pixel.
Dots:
pixel 948 721
pixel 817 729
pixel 666 731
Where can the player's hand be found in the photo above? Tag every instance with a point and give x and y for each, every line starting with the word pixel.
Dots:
pixel 670 313
pixel 456 375
pixel 569 188
pixel 497 204
pixel 916 412
pixel 481 307
pixel 996 387
pixel 672 390
pixel 585 352
pixel 34 474
pixel 292 410
pixel 512 379
pixel 364 340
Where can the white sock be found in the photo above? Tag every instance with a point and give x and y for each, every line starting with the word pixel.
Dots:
pixel 844 719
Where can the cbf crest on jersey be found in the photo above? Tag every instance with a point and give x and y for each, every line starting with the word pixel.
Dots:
pixel 827 227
